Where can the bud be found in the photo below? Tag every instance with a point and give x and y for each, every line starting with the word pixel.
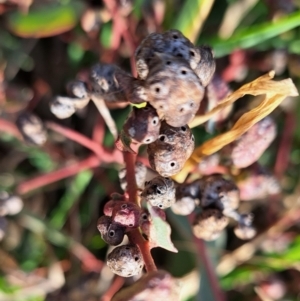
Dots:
pixel 142 125
pixel 209 224
pixel 168 154
pixel 220 193
pixel 111 233
pixel 10 204
pixel 159 192
pixel 140 175
pixel 125 261
pixel 32 128
pixel 104 83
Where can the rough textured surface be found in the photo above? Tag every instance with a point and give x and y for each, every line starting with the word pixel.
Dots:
pixel 174 43
pixel 209 224
pixel 220 193
pixel 10 204
pixel 111 233
pixel 187 194
pixel 244 232
pixel 160 192
pixel 104 83
pixel 157 285
pixel 168 154
pixel 125 261
pixel 249 148
pixel 142 125
pixel 32 128
pixel 140 176
pixel 126 214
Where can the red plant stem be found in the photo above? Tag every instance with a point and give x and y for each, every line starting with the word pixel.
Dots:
pixel 114 287
pixel 106 156
pixel 135 235
pixel 9 127
pixel 89 261
pixel 215 288
pixel 130 159
pixel 205 260
pixel 283 157
pixel 42 180
pixel 98 131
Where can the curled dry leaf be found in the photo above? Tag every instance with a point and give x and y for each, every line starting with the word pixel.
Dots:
pixel 275 92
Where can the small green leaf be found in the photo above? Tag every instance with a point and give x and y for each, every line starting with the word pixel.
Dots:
pixel 71 195
pixel 254 35
pixel 162 231
pixel 45 21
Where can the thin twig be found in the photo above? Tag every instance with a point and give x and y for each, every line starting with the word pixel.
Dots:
pixel 285 145
pixel 9 127
pixel 107 156
pixel 135 235
pixel 114 287
pixel 210 270
pixel 62 173
pixel 105 113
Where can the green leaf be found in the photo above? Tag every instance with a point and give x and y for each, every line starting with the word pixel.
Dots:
pixel 106 34
pixel 192 17
pixel 45 21
pixel 254 35
pixel 162 231
pixel 73 192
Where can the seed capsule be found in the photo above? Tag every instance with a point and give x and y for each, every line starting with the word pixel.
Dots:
pixel 32 128
pixel 168 154
pixel 220 193
pixel 10 204
pixel 126 214
pixel 79 91
pixel 62 107
pixel 159 192
pixel 140 176
pixel 255 182
pixel 174 43
pixel 143 125
pixel 111 233
pixel 104 83
pixel 186 196
pixel 249 148
pixel 244 232
pixel 171 87
pixel 209 224
pixel 125 261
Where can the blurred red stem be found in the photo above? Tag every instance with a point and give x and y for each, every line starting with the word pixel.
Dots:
pixel 211 273
pixel 135 235
pixel 89 261
pixel 42 180
pixel 205 260
pixel 98 131
pixel 283 154
pixel 105 155
pixel 114 287
pixel 9 127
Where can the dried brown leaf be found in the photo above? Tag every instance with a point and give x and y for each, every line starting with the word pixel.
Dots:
pixel 275 92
